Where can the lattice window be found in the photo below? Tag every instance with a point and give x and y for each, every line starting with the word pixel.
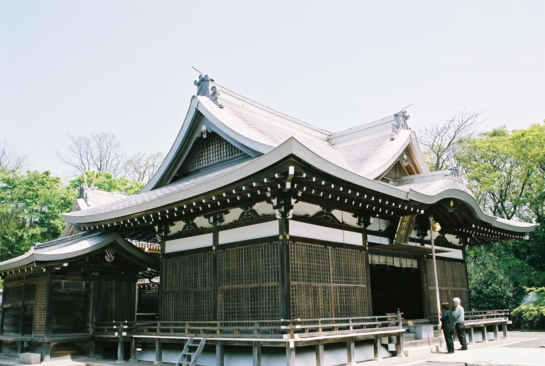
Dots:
pixel 348 267
pixel 40 308
pixel 188 287
pixel 210 150
pixel 309 263
pixel 249 303
pixel 327 282
pixel 188 272
pixel 349 301
pixel 188 306
pixel 250 265
pixel 452 283
pixel 311 301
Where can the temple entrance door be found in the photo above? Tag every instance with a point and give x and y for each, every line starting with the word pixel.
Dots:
pixel 395 288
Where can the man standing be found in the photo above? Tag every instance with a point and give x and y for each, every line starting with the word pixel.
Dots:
pixel 459 320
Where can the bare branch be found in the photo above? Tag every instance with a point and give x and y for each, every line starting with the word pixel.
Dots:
pixel 442 141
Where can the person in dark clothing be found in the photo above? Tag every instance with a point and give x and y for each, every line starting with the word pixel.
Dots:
pixel 447 323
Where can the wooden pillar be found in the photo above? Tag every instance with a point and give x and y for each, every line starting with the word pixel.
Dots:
pixel 471 336
pixel 350 351
pixel 290 353
pixel 158 352
pixel 47 352
pixel 496 332
pixel 2 312
pixel 283 229
pixel 220 355
pixel 256 354
pixel 134 357
pixel 376 349
pixel 22 317
pixel 215 243
pixel 399 345
pixel 365 221
pixel 92 347
pixel 320 354
pixel 48 312
pixel 120 349
pixel 485 336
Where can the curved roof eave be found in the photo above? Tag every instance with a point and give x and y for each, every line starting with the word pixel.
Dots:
pixel 470 202
pixel 34 256
pixel 289 147
pixel 295 148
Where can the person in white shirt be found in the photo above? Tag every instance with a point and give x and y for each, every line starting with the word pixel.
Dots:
pixel 459 323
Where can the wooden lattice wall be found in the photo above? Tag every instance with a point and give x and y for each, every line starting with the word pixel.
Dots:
pixel 327 282
pixel 187 288
pixel 249 285
pixel 452 278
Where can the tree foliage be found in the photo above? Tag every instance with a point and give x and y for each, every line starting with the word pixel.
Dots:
pixel 496 277
pixel 106 182
pixel 30 208
pixel 505 171
pixel 443 141
pixel 531 314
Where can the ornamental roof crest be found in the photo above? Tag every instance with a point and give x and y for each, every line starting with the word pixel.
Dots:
pixel 400 123
pixel 204 89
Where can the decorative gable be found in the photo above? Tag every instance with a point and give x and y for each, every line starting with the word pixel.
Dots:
pixel 209 149
pixel 404 166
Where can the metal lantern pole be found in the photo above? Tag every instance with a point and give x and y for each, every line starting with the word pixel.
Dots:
pixel 435 264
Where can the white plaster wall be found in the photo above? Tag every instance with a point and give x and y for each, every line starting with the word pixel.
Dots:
pixel 305 230
pixel 193 242
pixel 249 232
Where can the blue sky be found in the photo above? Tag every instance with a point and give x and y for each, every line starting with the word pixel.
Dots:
pixel 78 67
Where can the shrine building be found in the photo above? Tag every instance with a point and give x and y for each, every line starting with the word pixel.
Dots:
pixel 262 223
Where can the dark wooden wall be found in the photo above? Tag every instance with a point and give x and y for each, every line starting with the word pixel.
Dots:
pixel 115 300
pixel 24 307
pixel 70 307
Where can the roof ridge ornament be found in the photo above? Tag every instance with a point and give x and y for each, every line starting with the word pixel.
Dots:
pixel 203 89
pixel 400 123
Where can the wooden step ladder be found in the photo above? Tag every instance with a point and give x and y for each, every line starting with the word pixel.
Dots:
pixel 192 351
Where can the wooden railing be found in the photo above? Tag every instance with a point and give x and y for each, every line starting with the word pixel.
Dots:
pixel 262 329
pixel 484 319
pixel 486 315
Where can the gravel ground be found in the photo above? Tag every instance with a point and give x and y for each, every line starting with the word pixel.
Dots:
pixel 537 342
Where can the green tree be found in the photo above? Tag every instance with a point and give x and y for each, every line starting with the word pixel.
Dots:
pixel 496 277
pixel 506 173
pixel 30 210
pixel 106 182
